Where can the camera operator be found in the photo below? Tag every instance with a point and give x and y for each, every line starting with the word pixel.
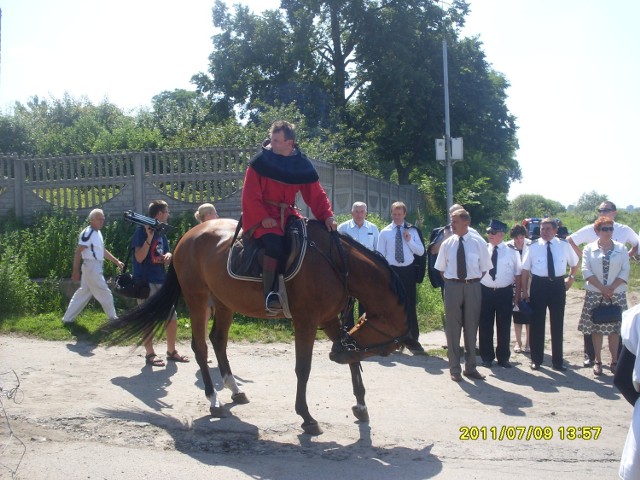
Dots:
pixel 151 256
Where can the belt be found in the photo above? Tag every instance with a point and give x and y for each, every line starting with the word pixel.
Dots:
pixel 551 279
pixel 497 288
pixel 468 280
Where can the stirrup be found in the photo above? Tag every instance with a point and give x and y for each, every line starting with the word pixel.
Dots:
pixel 273 303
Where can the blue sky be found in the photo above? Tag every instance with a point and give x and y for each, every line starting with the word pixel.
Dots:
pixel 573 66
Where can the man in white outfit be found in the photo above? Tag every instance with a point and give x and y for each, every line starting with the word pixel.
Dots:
pixel 91 253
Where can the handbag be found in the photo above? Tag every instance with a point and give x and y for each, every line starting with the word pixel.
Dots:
pixel 606 313
pixel 126 284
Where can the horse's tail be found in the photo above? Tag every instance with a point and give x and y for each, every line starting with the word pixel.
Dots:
pixel 149 317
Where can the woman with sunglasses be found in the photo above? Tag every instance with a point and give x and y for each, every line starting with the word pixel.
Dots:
pixel 605 268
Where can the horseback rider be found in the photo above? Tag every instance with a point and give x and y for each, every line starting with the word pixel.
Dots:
pixel 274 177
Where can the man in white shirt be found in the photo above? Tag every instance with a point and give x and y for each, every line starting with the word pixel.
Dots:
pixel 497 297
pixel 364 232
pixel 463 259
pixel 546 263
pixel 359 228
pixel 398 243
pixel 587 234
pixel 91 254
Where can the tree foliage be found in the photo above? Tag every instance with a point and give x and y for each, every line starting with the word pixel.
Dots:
pixel 533 205
pixel 589 202
pixel 368 78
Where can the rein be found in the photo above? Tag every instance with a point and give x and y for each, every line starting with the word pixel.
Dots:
pixel 346 339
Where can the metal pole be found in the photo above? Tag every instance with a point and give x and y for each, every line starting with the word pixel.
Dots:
pixel 447 126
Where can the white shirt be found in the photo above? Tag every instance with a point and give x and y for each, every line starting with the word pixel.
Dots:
pixel 535 260
pixel 367 234
pixel 92 239
pixel 630 334
pixel 619 266
pixel 509 266
pixel 387 245
pixel 621 233
pixel 476 255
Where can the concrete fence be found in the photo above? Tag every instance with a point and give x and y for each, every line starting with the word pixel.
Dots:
pixel 184 178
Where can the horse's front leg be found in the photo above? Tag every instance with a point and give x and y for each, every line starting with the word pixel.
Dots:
pixel 305 338
pixel 219 337
pixel 199 314
pixel 360 408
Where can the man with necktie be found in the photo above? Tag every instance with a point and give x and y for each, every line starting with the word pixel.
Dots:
pixel 462 260
pixel 545 263
pixel 497 297
pixel 398 243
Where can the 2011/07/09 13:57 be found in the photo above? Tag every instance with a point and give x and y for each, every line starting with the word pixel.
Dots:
pixel 528 432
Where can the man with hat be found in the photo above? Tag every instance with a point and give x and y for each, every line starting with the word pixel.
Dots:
pixel 497 296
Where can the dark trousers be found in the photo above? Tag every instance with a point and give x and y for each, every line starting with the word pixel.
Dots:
pixel 547 294
pixel 407 277
pixel 274 248
pixel 496 308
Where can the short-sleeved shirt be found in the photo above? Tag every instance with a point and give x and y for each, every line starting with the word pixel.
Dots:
pixel 92 239
pixel 476 255
pixel 509 266
pixel 152 269
pixel 535 259
pixel 621 233
pixel 367 234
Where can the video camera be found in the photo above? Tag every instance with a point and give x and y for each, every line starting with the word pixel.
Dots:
pixel 138 219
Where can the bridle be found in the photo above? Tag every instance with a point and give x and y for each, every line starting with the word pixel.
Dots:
pixel 347 341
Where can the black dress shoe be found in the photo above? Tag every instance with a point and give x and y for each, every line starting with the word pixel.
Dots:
pixel 504 364
pixel 487 364
pixel 456 377
pixel 534 366
pixel 560 368
pixel 474 374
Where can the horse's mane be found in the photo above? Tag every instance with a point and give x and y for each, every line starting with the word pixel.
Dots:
pixel 378 259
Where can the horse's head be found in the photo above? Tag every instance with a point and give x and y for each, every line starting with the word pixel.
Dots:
pixel 372 335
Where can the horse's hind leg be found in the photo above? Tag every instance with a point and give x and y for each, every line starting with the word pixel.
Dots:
pixel 360 408
pixel 219 337
pixel 199 313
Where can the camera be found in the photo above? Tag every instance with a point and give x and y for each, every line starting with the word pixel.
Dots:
pixel 139 219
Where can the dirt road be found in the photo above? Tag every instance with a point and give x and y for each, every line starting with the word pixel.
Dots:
pixel 86 412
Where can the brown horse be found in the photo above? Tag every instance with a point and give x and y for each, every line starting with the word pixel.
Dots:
pixel 335 267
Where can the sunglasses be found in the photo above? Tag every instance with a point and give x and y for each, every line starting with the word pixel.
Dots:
pixel 606 229
pixel 605 210
pixel 493 232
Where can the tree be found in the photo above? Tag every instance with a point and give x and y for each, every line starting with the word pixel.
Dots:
pixel 589 202
pixel 531 205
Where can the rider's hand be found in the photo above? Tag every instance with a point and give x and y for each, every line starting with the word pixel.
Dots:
pixel 269 222
pixel 331 224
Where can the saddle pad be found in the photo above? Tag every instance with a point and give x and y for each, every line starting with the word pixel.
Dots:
pixel 245 256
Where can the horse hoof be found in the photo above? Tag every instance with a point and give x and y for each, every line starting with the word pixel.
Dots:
pixel 360 414
pixel 312 428
pixel 217 412
pixel 240 398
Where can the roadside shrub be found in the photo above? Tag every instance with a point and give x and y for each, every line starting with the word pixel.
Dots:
pixel 17 291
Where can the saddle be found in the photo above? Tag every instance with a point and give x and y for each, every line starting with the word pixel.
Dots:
pixel 246 253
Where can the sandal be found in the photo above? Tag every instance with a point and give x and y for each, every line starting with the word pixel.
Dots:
pixel 176 357
pixel 517 350
pixel 597 368
pixel 612 366
pixel 153 360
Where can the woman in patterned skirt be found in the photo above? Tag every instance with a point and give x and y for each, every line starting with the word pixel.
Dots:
pixel 605 268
